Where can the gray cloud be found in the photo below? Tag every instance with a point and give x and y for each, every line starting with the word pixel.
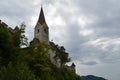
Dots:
pixel 107 13
pixel 89 30
pixel 90 63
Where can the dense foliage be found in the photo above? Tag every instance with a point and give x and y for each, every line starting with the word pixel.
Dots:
pixel 28 63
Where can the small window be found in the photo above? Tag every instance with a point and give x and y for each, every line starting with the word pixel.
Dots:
pixel 38 30
pixel 45 30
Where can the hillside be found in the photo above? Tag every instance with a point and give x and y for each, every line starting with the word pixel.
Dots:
pixel 91 77
pixel 29 63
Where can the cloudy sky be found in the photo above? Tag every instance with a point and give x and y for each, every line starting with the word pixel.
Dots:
pixel 88 29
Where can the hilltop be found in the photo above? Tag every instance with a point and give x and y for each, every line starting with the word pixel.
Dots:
pixel 91 77
pixel 29 63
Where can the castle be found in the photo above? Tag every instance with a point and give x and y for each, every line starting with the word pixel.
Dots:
pixel 41 34
pixel 57 54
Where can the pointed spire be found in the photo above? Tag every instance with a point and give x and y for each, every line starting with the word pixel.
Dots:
pixel 41 19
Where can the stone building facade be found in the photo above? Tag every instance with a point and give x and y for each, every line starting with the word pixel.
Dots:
pixel 41 34
pixel 41 31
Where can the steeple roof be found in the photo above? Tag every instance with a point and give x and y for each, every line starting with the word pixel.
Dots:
pixel 41 19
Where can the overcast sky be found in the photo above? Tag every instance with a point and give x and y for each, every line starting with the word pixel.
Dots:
pixel 88 29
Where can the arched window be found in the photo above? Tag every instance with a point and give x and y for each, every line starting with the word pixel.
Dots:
pixel 38 30
pixel 45 30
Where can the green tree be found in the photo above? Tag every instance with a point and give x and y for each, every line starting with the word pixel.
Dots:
pixel 63 55
pixel 16 72
pixel 19 36
pixel 23 38
pixel 38 59
pixel 6 46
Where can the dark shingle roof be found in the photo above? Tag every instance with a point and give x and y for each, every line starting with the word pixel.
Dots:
pixel 41 19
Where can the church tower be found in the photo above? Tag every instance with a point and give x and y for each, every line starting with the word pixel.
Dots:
pixel 41 31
